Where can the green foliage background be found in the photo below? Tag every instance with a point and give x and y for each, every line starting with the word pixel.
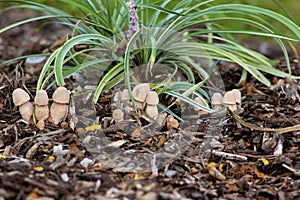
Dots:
pixel 292 6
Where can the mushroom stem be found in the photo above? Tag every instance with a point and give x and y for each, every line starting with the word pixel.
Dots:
pixel 58 112
pixel 26 111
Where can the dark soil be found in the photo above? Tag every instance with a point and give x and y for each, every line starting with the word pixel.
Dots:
pixel 241 166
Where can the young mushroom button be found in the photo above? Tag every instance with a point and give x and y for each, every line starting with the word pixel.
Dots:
pixel 140 92
pixel 41 105
pixel 216 101
pixel 21 99
pixel 61 95
pixel 238 97
pixel 118 115
pixel 59 108
pixel 229 100
pixel 152 100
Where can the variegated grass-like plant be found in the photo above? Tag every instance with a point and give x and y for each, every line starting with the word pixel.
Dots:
pixel 159 32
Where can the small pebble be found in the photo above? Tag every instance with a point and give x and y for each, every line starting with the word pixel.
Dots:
pixel 86 162
pixel 34 60
pixel 170 173
pixel 65 177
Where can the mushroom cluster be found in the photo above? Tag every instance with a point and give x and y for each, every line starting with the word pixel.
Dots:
pixel 146 102
pixel 58 110
pixel 231 99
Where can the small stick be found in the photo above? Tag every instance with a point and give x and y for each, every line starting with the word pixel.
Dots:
pixel 272 130
pixel 229 155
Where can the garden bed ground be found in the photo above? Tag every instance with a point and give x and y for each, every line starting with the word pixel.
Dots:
pixel 245 165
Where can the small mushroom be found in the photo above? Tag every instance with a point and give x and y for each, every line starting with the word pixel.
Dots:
pixel 172 122
pixel 152 98
pixel 58 112
pixel 151 111
pixel 41 98
pixel 125 95
pixel 41 110
pixel 59 108
pixel 21 98
pixel 216 101
pixel 201 102
pixel 41 124
pixel 117 96
pixel 140 92
pixel 61 95
pixel 229 101
pixel 237 96
pixel 118 115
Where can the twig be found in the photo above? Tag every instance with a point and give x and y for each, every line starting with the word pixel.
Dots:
pixel 229 155
pixel 296 172
pixel 272 130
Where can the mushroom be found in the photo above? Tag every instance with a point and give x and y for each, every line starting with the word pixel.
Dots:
pixel 125 95
pixel 238 97
pixel 229 101
pixel 152 98
pixel 139 93
pixel 61 95
pixel 152 101
pixel 41 110
pixel 59 108
pixel 172 122
pixel 216 101
pixel 118 115
pixel 151 111
pixel 58 112
pixel 21 98
pixel 201 102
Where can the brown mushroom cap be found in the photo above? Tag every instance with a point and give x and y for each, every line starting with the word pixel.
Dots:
pixel 58 112
pixel 172 122
pixel 229 98
pixel 41 98
pixel 125 95
pixel 238 96
pixel 216 99
pixel 151 111
pixel 152 98
pixel 61 95
pixel 118 115
pixel 20 97
pixel 140 92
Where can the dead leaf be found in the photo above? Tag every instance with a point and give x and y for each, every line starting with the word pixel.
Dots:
pixel 216 173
